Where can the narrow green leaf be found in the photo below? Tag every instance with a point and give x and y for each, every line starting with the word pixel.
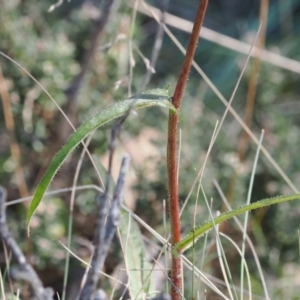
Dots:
pixel 195 234
pixel 83 131
pixel 141 283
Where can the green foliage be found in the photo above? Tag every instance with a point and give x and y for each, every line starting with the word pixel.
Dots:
pixel 82 132
pixel 196 233
pixel 141 279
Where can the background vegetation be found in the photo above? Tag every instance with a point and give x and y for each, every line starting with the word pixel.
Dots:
pixel 55 47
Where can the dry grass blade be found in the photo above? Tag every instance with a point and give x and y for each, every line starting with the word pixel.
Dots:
pixel 226 41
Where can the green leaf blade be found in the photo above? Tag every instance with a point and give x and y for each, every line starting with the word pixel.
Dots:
pixel 196 233
pixel 141 280
pixel 101 118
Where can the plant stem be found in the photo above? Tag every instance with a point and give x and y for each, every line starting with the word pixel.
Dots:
pixel 172 165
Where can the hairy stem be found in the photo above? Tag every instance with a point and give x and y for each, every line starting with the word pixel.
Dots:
pixel 172 165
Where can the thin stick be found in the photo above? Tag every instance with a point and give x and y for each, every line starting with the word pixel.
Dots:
pixel 24 271
pixel 172 165
pixel 107 222
pixel 157 44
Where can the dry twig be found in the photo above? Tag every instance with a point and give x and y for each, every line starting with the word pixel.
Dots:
pixel 23 271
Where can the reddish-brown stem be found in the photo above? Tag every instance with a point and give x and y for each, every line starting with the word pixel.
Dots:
pixel 172 149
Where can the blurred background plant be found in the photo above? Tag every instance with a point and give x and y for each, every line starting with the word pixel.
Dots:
pixel 54 46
